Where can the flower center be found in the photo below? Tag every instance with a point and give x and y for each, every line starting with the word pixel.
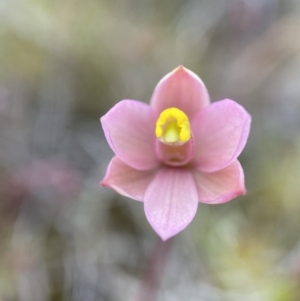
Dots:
pixel 173 127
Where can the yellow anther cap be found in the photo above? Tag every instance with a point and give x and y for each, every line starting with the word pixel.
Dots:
pixel 173 126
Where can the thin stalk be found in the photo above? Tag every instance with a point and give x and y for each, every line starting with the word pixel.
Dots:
pixel 153 271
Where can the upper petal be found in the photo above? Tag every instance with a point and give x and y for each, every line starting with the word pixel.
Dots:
pixel 220 186
pixel 129 128
pixel 171 201
pixel 126 180
pixel 181 89
pixel 220 131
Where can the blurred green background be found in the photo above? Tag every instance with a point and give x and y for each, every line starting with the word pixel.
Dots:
pixel 63 64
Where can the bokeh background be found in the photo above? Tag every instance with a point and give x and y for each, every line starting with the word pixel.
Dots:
pixel 63 64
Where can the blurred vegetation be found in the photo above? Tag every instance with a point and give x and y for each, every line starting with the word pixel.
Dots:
pixel 63 64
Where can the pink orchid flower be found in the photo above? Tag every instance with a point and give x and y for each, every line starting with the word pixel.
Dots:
pixel 177 151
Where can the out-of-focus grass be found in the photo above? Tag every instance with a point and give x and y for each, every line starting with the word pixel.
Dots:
pixel 63 64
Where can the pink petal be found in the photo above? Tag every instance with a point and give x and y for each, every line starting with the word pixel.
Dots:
pixel 126 180
pixel 181 89
pixel 220 131
pixel 129 128
pixel 171 201
pixel 220 186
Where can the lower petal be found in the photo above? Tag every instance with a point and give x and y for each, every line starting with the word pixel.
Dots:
pixel 220 186
pixel 171 201
pixel 126 180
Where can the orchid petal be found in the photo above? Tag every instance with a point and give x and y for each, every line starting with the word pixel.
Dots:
pixel 129 128
pixel 220 186
pixel 171 201
pixel 126 180
pixel 220 131
pixel 181 89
